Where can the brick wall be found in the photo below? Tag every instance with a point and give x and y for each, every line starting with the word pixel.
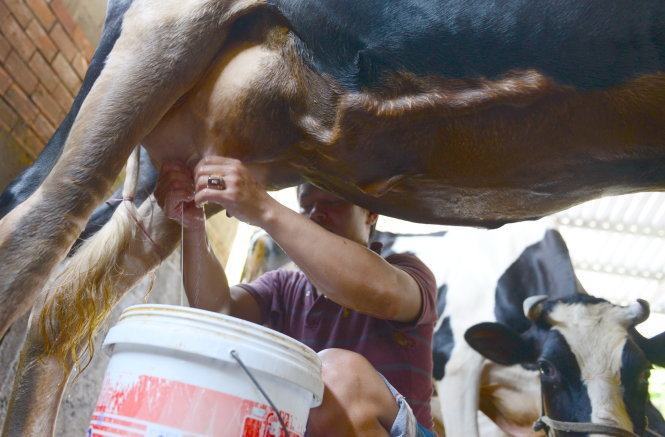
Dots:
pixel 43 58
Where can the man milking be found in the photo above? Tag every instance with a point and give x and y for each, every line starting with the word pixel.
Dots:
pixel 370 318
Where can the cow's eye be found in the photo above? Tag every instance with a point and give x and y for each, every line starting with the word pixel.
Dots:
pixel 547 370
pixel 645 375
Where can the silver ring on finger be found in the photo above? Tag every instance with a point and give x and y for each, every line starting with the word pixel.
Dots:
pixel 216 182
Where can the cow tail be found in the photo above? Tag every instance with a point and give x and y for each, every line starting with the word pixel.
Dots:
pixel 82 295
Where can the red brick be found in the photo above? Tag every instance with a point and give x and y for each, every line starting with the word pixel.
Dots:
pixel 18 153
pixel 22 157
pixel 4 12
pixel 7 116
pixel 5 48
pixel 21 73
pixel 27 138
pixel 41 39
pixel 44 71
pixel 17 37
pixel 48 106
pixel 64 43
pixel 60 10
pixel 42 12
pixel 63 97
pixel 20 11
pixel 5 80
pixel 66 73
pixel 43 128
pixel 21 103
pixel 83 44
pixel 80 65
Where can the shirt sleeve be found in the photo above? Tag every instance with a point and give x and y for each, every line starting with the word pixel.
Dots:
pixel 424 277
pixel 265 291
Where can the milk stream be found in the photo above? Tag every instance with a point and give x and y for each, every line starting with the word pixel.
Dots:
pixel 197 265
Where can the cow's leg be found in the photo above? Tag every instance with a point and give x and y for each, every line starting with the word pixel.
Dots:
pixel 27 182
pixel 459 391
pixel 164 48
pixel 102 214
pixel 40 378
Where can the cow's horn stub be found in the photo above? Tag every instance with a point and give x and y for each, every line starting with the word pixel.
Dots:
pixel 637 312
pixel 532 306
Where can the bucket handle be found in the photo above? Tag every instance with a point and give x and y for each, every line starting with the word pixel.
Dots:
pixel 236 357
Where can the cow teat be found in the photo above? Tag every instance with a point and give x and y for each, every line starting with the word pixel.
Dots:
pixel 532 306
pixel 637 312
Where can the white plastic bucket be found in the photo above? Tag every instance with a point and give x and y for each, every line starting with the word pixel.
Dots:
pixel 171 374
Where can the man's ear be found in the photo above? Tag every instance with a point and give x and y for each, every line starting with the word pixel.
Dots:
pixel 499 343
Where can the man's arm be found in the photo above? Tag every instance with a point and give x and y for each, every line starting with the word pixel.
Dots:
pixel 346 272
pixel 205 281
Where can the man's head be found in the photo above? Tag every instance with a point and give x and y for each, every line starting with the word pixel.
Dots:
pixel 594 366
pixel 335 214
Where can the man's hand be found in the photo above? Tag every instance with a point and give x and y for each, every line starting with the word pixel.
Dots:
pixel 175 195
pixel 242 196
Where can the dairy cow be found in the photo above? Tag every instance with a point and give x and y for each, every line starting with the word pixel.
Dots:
pixel 594 367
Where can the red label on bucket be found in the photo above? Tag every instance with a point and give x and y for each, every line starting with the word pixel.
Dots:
pixel 151 406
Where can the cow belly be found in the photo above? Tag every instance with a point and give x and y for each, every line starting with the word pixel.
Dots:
pixel 431 156
pixel 496 160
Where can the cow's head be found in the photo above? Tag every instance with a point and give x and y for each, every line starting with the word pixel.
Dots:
pixel 594 367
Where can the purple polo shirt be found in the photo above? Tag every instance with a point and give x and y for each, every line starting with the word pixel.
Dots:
pixel 402 352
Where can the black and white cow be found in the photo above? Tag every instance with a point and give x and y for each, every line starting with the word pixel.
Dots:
pixel 484 276
pixel 594 366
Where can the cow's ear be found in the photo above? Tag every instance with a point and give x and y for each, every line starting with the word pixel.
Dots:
pixel 499 343
pixel 654 348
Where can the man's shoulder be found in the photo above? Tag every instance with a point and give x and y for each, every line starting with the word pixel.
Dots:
pixel 284 279
pixel 405 258
pixel 292 273
pixel 414 266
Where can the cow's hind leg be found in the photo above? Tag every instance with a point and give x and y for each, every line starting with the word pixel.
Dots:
pixel 164 48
